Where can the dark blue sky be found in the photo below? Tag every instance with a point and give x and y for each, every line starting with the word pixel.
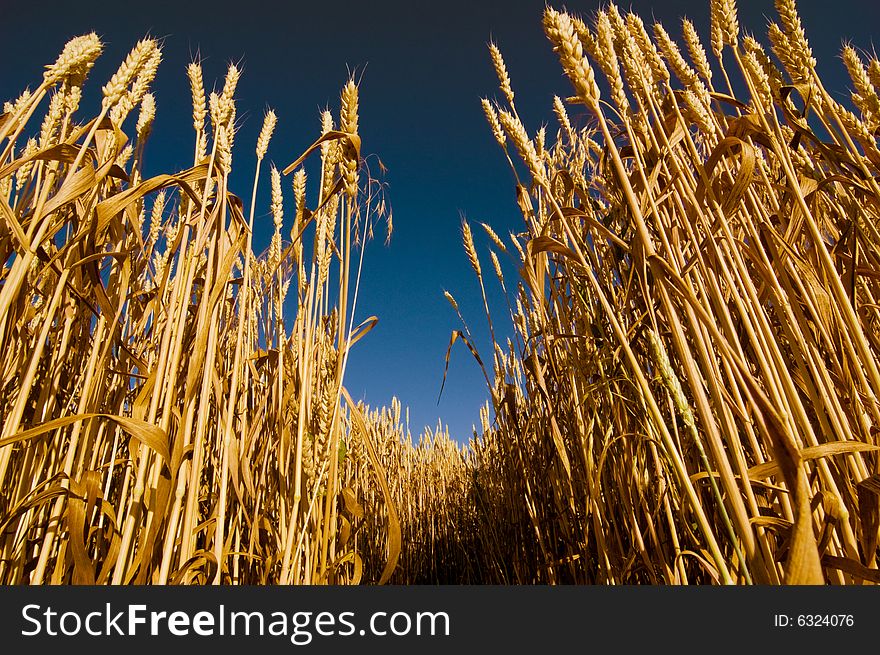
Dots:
pixel 425 67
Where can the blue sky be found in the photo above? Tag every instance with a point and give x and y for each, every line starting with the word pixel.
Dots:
pixel 424 68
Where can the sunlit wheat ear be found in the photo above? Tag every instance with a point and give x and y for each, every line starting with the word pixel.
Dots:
pixel 760 80
pixel 541 142
pixel 617 21
pixel 728 21
pixel 588 40
pixel 716 31
pixel 515 240
pixel 299 193
pixel 497 266
pixel 671 52
pixel 348 113
pixel 266 131
pixel 135 93
pixel 494 123
pixel 299 199
pixel 607 59
pixel 72 98
pixel 277 218
pixel 774 75
pixel 141 56
pixel 146 116
pixel 224 149
pixel 562 116
pixel 495 238
pixel 330 152
pixel 326 126
pixel 874 72
pixel 22 175
pixel 639 77
pixel 16 107
pixel 155 223
pixel 470 249
pixel 277 199
pixel 799 53
pixel 145 77
pixel 501 72
pixel 214 109
pixel 450 300
pixel 858 130
pixel 52 119
pixel 124 155
pixel 225 101
pixel 696 50
pixel 197 90
pixel 230 122
pixel 567 45
pixel 524 145
pixel 785 52
pixel 348 122
pixel 699 111
pixel 639 34
pixel 865 95
pixel 75 60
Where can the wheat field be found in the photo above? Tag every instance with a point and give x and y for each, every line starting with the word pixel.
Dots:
pixel 690 393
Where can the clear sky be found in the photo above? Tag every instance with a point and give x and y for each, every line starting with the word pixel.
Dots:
pixel 424 68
